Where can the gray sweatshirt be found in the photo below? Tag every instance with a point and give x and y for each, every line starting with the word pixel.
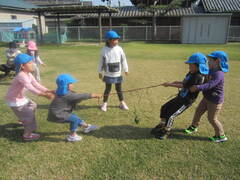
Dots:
pixel 112 56
pixel 61 107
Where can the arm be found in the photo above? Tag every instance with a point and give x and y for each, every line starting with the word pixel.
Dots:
pixel 39 60
pixel 9 55
pixel 216 78
pixel 76 98
pixel 26 83
pixel 37 85
pixel 100 66
pixel 173 84
pixel 124 62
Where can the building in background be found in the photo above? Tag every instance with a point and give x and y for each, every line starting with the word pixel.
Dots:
pixel 18 14
pixel 59 2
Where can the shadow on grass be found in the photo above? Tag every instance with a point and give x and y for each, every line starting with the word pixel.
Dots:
pixel 123 132
pixel 46 106
pixel 127 132
pixel 14 131
pixel 93 107
pixel 178 134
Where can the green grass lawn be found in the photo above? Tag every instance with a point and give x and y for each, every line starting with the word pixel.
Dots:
pixel 122 149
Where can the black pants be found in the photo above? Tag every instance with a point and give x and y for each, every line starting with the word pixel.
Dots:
pixel 118 87
pixel 6 69
pixel 172 109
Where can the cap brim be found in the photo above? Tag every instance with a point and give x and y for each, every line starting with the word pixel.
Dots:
pixel 212 56
pixel 189 62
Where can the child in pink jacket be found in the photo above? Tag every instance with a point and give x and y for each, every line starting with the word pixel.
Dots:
pixel 32 50
pixel 23 107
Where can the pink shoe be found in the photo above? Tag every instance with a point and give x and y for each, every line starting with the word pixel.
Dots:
pixel 31 137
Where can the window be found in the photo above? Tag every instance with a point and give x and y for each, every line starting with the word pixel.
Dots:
pixel 13 16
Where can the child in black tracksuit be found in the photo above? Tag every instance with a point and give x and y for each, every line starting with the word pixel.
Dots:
pixel 197 69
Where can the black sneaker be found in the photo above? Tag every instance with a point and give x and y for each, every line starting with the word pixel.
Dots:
pixel 163 134
pixel 157 129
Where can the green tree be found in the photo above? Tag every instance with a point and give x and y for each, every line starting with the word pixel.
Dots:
pixel 162 9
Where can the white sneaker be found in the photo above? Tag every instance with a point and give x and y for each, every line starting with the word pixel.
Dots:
pixel 90 128
pixel 104 107
pixel 75 138
pixel 123 106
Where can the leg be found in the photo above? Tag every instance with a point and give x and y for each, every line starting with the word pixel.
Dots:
pixel 38 74
pixel 118 87
pixel 26 115
pixel 75 121
pixel 201 109
pixel 106 92
pixel 168 112
pixel 170 120
pixel 213 112
pixel 123 105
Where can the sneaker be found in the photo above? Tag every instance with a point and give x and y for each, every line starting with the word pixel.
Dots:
pixel 31 137
pixel 157 128
pixel 163 134
pixel 104 107
pixel 123 106
pixel 218 138
pixel 75 138
pixel 90 128
pixel 190 129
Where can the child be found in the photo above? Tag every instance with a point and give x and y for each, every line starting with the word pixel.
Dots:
pixel 112 61
pixel 32 50
pixel 11 53
pixel 197 69
pixel 213 96
pixel 23 107
pixel 63 104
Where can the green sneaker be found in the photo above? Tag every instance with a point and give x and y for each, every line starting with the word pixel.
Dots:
pixel 218 138
pixel 190 129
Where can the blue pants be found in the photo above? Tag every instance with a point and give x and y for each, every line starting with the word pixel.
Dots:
pixel 74 121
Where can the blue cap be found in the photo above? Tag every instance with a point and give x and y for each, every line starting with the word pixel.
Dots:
pixel 21 59
pixel 63 81
pixel 112 35
pixel 223 57
pixel 201 60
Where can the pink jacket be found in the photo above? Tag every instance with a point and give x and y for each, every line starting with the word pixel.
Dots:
pixel 22 82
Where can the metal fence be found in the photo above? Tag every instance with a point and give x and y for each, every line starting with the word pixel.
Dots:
pixel 127 33
pixel 234 34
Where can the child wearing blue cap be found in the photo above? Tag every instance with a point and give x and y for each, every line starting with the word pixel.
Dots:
pixel 22 106
pixel 63 104
pixel 213 95
pixel 112 62
pixel 197 70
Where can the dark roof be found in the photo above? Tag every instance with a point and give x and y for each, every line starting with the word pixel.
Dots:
pixel 133 11
pixel 226 6
pixel 71 9
pixel 16 4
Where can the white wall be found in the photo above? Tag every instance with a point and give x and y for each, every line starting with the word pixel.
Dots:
pixel 7 15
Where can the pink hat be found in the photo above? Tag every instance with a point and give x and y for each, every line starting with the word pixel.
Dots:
pixel 32 46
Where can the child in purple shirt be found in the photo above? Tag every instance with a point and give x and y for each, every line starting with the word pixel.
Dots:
pixel 213 96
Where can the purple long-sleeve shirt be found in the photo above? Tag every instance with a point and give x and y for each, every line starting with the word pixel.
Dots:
pixel 213 90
